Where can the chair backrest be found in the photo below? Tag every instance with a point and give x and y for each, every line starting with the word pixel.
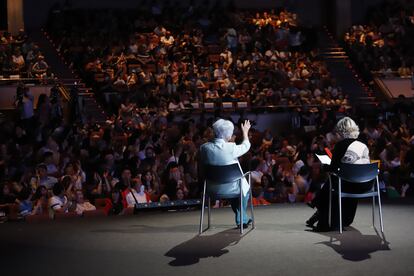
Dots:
pixel 358 173
pixel 222 174
pixel 224 180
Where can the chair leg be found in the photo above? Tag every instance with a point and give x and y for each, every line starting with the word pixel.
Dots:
pixel 340 204
pixel 202 209
pixel 330 202
pixel 373 211
pixel 241 209
pixel 379 207
pixel 209 212
pixel 251 204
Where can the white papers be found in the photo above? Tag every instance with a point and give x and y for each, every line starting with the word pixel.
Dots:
pixel 324 159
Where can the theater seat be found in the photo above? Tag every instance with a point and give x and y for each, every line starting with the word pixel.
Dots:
pixel 100 203
pixel 69 215
pixel 94 213
pixel 37 218
pixel 13 212
pixel 128 211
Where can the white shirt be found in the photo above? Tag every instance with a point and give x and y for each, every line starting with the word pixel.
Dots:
pixel 141 198
pixel 85 206
pixel 56 202
pixel 356 153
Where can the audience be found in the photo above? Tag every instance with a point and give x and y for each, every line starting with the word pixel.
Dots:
pixel 51 162
pixel 19 56
pixel 266 59
pixel 384 44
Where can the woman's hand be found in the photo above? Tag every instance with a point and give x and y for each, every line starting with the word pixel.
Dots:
pixel 245 129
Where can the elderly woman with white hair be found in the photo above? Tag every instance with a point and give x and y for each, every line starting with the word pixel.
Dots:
pixel 348 150
pixel 221 151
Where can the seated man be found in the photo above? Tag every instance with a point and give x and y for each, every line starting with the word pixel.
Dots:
pixel 221 151
pixel 42 178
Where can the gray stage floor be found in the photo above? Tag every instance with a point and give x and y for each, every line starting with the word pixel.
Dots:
pixel 166 243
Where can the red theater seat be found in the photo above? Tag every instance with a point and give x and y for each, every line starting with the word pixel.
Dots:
pixel 65 215
pixel 37 218
pixel 94 213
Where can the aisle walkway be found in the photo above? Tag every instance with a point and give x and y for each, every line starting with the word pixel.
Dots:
pixel 337 62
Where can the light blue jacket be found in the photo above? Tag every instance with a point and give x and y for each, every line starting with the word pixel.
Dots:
pixel 219 152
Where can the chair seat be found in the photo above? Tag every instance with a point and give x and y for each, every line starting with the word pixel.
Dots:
pixel 223 182
pixel 357 181
pixel 359 195
pixel 219 191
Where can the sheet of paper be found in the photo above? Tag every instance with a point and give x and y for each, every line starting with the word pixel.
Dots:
pixel 324 159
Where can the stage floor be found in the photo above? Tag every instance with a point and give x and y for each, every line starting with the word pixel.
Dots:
pixel 166 243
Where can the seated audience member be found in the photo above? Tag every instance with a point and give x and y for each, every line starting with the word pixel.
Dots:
pixel 102 186
pixel 179 195
pixel 48 160
pixel 40 67
pixel 42 179
pixel 6 195
pixel 82 205
pixel 301 181
pixel 77 175
pixel 137 194
pixel 25 202
pixel 41 200
pixel 59 203
pixel 268 193
pixel 114 204
pixel 151 185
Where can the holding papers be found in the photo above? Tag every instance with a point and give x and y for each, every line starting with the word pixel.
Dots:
pixel 325 159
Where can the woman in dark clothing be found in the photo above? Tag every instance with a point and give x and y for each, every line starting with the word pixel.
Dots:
pixel 351 151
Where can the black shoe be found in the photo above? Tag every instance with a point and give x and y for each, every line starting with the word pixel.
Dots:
pixel 321 229
pixel 310 205
pixel 312 220
pixel 245 226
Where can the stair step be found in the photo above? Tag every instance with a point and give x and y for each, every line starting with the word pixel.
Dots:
pixel 334 53
pixel 335 48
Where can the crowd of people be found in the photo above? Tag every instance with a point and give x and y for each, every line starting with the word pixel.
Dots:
pixel 384 44
pixel 173 56
pixel 20 57
pixel 50 164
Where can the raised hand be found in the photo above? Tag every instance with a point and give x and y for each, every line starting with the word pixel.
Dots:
pixel 245 129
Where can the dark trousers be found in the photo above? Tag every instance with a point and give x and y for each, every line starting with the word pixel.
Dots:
pixel 349 205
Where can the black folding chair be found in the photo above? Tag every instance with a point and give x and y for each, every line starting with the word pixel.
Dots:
pixel 356 173
pixel 227 175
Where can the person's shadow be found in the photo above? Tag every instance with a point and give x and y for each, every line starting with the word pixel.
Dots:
pixel 354 246
pixel 190 252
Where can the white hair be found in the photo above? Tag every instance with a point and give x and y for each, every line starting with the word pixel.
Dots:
pixel 347 128
pixel 223 129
